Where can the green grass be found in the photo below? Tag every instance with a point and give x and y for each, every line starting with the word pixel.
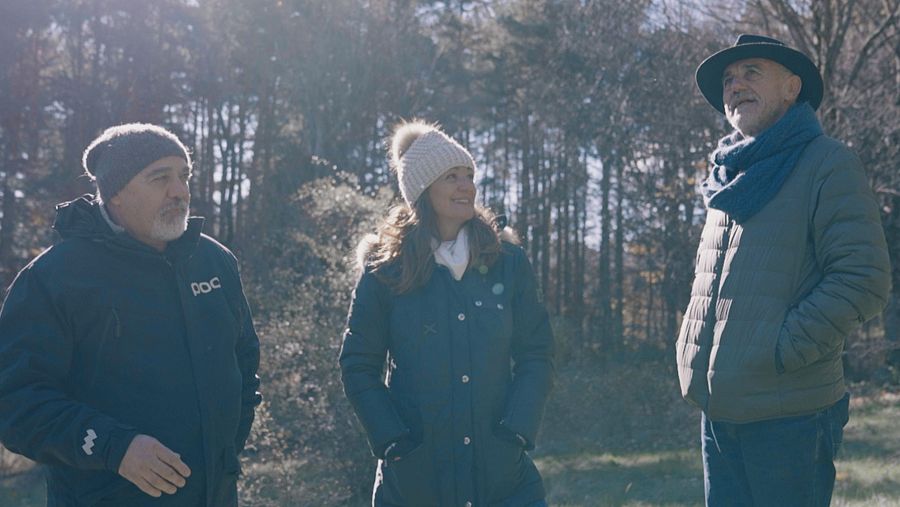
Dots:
pixel 670 478
pixel 638 452
pixel 578 471
pixel 869 469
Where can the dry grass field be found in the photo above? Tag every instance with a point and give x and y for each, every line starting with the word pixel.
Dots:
pixel 616 436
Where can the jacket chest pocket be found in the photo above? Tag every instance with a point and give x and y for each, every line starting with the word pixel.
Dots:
pixel 493 318
pixel 133 334
pixel 131 328
pixel 125 349
pixel 114 325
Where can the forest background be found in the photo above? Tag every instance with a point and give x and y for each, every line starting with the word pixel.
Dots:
pixel 589 135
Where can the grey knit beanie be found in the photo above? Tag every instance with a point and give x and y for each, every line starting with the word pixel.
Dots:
pixel 421 153
pixel 120 152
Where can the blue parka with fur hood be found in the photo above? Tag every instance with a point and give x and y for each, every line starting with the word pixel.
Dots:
pixel 468 363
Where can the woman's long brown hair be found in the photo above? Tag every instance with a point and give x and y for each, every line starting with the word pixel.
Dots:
pixel 403 243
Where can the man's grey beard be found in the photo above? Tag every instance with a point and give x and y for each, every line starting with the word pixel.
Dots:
pixel 170 229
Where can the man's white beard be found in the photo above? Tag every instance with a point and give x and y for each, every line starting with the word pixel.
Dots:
pixel 170 229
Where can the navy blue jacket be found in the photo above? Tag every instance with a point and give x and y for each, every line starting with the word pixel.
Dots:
pixel 103 338
pixel 464 358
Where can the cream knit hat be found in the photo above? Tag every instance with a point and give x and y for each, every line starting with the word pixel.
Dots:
pixel 421 153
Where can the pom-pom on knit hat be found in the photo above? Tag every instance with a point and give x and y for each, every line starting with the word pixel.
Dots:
pixel 121 152
pixel 421 153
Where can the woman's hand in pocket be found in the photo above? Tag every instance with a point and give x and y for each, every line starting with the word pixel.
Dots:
pixel 399 449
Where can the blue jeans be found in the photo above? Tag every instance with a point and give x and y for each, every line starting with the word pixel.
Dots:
pixel 786 462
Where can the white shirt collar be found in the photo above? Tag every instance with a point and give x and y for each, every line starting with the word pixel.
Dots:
pixel 453 254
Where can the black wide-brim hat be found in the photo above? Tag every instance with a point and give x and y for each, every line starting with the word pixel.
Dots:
pixel 709 73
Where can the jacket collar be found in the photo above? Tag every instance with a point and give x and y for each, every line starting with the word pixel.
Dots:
pixel 83 218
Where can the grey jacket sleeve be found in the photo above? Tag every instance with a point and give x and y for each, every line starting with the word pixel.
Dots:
pixel 852 255
pixel 37 418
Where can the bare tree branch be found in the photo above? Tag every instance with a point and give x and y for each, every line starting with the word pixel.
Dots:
pixel 862 57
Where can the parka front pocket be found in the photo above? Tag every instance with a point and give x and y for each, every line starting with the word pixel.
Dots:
pixel 504 467
pixel 412 477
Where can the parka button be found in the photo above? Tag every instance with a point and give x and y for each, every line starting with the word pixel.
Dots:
pixel 467 440
pixel 465 379
pixel 499 306
pixel 461 316
pixel 468 504
pixel 478 303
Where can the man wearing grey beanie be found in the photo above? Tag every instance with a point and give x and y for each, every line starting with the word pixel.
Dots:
pixel 128 356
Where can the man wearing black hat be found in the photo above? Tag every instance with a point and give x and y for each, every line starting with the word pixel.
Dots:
pixel 791 260
pixel 128 355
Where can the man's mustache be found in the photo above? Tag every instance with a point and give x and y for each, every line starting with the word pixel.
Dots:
pixel 180 206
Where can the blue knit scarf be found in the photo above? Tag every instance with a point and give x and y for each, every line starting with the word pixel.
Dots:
pixel 747 172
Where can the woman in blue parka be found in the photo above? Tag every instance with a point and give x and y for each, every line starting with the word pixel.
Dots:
pixel 449 308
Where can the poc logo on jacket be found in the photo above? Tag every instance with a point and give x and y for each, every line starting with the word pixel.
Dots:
pixel 206 287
